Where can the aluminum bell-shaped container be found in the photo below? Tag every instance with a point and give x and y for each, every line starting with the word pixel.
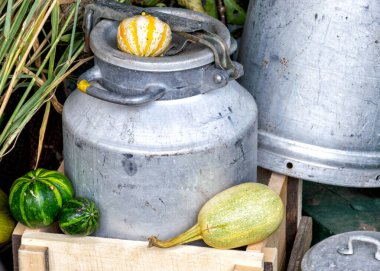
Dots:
pixel 314 69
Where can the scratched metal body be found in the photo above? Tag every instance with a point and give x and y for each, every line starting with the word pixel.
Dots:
pixel 314 70
pixel 151 167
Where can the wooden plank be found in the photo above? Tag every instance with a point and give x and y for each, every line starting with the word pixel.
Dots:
pixel 258 247
pixel 299 202
pixel 16 242
pixel 270 259
pixel 62 165
pixel 268 267
pixel 246 268
pixel 293 211
pixel 33 258
pixel 94 253
pixel 274 246
pixel 17 235
pixel 279 183
pixel 270 254
pixel 263 175
pixel 302 243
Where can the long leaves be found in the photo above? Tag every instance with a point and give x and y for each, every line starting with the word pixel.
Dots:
pixel 32 34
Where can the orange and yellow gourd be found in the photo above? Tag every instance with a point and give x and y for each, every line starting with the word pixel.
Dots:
pixel 144 35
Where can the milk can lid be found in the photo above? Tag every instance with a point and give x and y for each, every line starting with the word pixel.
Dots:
pixel 350 251
pixel 193 55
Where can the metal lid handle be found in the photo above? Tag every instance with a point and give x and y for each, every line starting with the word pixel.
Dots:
pixel 350 249
pixel 150 94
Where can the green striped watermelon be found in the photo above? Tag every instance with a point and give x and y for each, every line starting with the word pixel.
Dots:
pixel 36 198
pixel 79 217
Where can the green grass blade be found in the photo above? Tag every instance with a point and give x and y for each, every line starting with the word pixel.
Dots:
pixel 54 31
pixel 74 28
pixel 8 19
pixel 42 132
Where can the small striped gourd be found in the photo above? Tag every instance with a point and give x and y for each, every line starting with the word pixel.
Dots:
pixel 241 215
pixel 36 198
pixel 79 217
pixel 143 35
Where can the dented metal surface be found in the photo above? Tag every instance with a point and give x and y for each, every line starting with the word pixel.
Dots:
pixel 151 167
pixel 314 70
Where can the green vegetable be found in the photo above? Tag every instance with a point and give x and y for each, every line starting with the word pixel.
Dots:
pixel 79 217
pixel 235 13
pixel 6 222
pixel 239 216
pixel 147 3
pixel 210 8
pixel 36 198
pixel 195 5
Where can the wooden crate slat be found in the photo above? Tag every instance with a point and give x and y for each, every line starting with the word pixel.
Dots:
pixel 33 258
pixel 301 244
pixel 293 211
pixel 93 253
pixel 17 235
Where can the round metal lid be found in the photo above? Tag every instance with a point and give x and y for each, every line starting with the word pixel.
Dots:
pixel 103 45
pixel 334 253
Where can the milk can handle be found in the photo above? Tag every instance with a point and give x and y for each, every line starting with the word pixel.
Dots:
pixel 350 249
pixel 150 94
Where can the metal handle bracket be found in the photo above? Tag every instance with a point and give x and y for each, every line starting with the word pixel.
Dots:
pixel 367 239
pixel 220 50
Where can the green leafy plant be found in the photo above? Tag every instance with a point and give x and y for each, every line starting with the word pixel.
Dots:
pixel 230 11
pixel 31 34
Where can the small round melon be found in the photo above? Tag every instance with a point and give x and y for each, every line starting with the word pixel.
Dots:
pixel 79 217
pixel 36 198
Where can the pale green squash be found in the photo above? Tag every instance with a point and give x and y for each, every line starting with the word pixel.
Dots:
pixel 241 215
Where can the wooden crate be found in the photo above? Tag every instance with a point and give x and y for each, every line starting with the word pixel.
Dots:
pixel 45 249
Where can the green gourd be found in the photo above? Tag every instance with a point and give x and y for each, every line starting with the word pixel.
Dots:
pixel 241 215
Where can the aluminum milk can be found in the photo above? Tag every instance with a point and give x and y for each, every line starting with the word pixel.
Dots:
pixel 162 135
pixel 314 70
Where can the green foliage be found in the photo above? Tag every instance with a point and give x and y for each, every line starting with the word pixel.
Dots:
pixel 235 10
pixel 235 13
pixel 210 8
pixel 31 32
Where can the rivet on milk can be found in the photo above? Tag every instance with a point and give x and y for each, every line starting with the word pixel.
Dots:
pixel 162 135
pixel 349 251
pixel 314 70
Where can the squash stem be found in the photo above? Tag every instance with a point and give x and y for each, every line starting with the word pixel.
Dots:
pixel 192 234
